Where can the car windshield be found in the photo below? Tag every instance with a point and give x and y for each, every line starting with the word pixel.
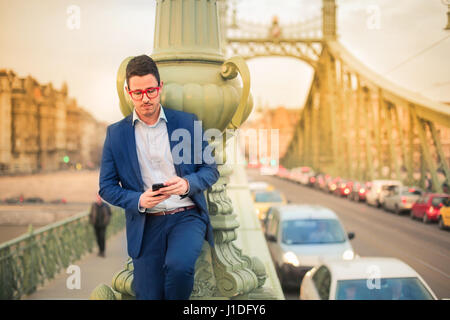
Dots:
pixel 411 192
pixel 437 201
pixel 389 187
pixel 383 289
pixel 310 231
pixel 268 196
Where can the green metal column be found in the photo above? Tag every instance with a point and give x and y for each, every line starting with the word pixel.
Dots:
pixel 329 19
pixel 343 127
pixel 340 120
pixel 428 164
pixel 314 131
pixel 411 149
pixel 357 129
pixel 409 179
pixel 348 106
pixel 299 129
pixel 333 103
pixel 392 148
pixel 378 134
pixel 440 151
pixel 198 79
pixel 366 114
pixel 323 123
pixel 307 146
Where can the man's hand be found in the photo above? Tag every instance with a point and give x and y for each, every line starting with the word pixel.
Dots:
pixel 150 198
pixel 175 186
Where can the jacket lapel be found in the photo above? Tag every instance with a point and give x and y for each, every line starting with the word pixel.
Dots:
pixel 130 141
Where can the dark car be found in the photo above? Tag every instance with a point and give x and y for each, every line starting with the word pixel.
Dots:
pixel 333 184
pixel 358 192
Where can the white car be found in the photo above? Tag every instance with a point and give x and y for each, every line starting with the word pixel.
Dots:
pixel 301 175
pixel 365 278
pixel 259 186
pixel 298 236
pixel 378 190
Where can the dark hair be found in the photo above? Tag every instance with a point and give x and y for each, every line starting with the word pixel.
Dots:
pixel 141 66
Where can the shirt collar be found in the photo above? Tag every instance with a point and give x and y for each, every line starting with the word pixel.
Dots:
pixel 162 115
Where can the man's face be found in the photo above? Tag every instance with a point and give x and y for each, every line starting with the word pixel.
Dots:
pixel 146 107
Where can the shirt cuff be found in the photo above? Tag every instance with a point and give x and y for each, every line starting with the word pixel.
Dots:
pixel 188 189
pixel 140 209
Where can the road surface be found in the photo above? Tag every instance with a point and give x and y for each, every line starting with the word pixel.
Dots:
pixel 425 248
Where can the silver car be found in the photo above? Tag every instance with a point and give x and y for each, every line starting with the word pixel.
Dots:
pixel 378 190
pixel 299 236
pixel 368 278
pixel 401 199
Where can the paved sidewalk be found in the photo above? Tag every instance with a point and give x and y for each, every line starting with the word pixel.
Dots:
pixel 94 270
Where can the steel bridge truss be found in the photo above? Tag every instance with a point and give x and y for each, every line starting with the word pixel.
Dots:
pixel 355 124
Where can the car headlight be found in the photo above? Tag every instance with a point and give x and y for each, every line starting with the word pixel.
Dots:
pixel 291 258
pixel 348 255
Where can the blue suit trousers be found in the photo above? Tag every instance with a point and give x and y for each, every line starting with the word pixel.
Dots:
pixel 171 244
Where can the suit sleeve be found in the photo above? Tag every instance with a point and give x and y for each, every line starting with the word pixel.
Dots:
pixel 110 189
pixel 205 176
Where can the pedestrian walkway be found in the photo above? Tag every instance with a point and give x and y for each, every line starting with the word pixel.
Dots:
pixel 94 270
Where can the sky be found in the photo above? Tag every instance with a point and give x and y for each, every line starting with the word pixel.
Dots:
pixel 42 38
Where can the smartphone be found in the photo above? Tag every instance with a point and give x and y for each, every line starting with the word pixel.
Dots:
pixel 157 186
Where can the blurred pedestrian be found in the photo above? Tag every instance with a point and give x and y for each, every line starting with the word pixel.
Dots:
pixel 445 188
pixel 99 217
pixel 429 184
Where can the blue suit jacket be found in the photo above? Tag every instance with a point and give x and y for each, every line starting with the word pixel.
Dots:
pixel 121 181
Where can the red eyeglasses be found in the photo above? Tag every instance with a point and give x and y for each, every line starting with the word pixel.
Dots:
pixel 138 95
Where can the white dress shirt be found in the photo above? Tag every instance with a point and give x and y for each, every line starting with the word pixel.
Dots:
pixel 155 159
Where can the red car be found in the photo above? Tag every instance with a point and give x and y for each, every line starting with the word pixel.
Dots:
pixel 333 184
pixel 343 188
pixel 428 206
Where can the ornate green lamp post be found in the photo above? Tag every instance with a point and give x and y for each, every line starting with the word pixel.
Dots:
pixel 447 3
pixel 198 79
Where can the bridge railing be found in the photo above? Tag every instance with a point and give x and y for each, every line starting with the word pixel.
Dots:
pixel 30 260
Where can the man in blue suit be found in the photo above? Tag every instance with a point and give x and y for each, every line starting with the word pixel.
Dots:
pixel 165 228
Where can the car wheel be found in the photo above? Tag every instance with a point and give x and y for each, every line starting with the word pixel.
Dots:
pixel 397 210
pixel 425 218
pixel 280 276
pixel 441 224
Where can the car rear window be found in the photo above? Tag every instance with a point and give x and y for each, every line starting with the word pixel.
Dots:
pixel 383 289
pixel 269 196
pixel 437 201
pixel 312 231
pixel 412 192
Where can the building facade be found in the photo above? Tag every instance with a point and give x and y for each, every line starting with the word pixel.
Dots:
pixel 42 129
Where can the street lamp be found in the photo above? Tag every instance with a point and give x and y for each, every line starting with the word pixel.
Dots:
pixel 447 3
